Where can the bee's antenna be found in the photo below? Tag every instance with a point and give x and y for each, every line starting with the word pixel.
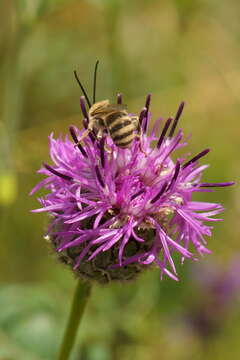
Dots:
pixel 95 81
pixel 82 88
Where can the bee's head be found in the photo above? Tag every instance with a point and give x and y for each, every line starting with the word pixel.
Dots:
pixel 98 107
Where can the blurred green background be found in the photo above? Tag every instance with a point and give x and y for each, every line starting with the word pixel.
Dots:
pixel 177 50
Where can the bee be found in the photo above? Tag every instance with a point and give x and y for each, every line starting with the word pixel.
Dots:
pixel 113 119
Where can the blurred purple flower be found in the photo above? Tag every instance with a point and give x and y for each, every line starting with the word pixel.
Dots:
pixel 217 288
pixel 218 282
pixel 125 209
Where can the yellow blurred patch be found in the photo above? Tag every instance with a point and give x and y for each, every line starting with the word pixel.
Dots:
pixel 8 188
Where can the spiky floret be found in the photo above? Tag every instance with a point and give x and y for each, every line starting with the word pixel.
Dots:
pixel 115 212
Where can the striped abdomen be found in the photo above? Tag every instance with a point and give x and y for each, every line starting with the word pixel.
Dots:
pixel 121 128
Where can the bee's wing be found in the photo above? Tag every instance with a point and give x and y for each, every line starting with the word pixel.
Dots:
pixel 116 107
pixel 110 108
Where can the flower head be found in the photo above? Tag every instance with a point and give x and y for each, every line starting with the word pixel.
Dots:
pixel 115 212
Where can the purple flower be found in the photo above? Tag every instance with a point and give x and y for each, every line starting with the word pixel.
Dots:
pixel 217 289
pixel 219 283
pixel 115 212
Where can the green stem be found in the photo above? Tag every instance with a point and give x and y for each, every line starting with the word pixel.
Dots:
pixel 80 299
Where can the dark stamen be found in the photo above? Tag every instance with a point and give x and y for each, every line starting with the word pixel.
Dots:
pixel 119 99
pixel 177 116
pixel 174 178
pixel 142 115
pixel 82 88
pixel 75 139
pixel 73 134
pixel 85 123
pixel 175 144
pixel 55 172
pixel 195 158
pixel 145 124
pixel 102 151
pixel 95 81
pixel 217 184
pixel 92 136
pixel 137 194
pixel 99 176
pixel 147 104
pixel 165 129
pixel 160 193
pixel 83 107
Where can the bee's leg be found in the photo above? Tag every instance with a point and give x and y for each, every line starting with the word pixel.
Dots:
pixel 140 144
pixel 85 133
pixel 139 133
pixel 108 149
pixel 100 134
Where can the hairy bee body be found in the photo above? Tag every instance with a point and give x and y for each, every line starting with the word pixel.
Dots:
pixel 114 119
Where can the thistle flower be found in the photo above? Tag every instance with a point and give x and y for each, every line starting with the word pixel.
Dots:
pixel 115 212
